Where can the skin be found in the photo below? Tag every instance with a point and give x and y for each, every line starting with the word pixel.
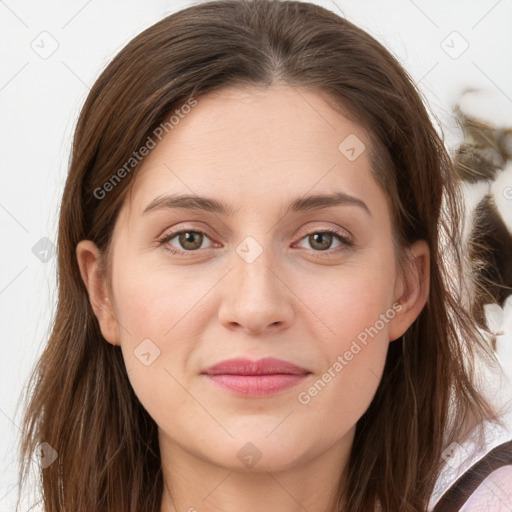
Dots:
pixel 255 150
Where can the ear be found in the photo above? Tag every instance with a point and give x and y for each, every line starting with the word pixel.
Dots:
pixel 94 277
pixel 412 290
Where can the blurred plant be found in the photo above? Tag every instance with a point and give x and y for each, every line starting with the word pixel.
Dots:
pixel 483 153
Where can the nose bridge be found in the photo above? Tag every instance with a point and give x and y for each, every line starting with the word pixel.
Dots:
pixel 255 281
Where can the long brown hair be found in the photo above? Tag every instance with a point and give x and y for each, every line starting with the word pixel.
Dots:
pixel 81 401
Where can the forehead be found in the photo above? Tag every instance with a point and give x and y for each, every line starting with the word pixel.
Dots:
pixel 257 144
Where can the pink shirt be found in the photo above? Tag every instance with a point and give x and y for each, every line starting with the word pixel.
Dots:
pixel 494 494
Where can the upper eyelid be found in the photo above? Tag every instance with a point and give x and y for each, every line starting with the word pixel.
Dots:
pixel 205 231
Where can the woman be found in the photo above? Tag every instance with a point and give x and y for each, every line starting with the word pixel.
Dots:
pixel 253 309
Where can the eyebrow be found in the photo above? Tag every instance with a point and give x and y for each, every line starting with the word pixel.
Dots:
pixel 313 202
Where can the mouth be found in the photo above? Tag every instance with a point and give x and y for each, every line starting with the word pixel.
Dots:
pixel 264 377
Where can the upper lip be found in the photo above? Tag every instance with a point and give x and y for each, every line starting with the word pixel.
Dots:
pixel 265 366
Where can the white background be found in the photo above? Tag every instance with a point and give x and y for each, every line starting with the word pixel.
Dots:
pixel 40 99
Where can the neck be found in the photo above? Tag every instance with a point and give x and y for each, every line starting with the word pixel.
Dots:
pixel 193 484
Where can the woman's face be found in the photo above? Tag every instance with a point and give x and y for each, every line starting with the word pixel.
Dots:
pixel 261 277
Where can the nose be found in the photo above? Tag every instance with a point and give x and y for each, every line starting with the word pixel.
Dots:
pixel 256 297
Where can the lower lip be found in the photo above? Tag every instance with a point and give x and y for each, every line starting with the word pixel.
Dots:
pixel 257 385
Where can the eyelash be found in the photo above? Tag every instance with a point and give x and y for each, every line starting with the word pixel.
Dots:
pixel 346 242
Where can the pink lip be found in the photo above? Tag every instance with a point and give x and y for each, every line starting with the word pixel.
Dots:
pixel 256 378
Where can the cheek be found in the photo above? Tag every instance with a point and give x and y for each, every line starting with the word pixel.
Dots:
pixel 158 303
pixel 156 345
pixel 354 359
pixel 348 300
pixel 160 317
pixel 356 312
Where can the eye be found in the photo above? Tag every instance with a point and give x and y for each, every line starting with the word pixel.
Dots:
pixel 322 240
pixel 189 241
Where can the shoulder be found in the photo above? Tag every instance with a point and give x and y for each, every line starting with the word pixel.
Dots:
pixel 494 493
